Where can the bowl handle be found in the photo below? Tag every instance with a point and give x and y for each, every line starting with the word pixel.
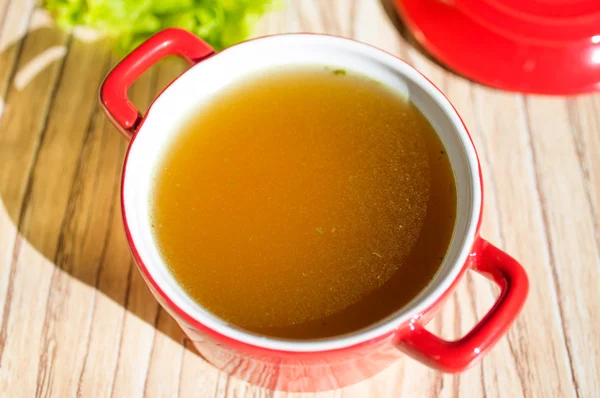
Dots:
pixel 113 93
pixel 456 356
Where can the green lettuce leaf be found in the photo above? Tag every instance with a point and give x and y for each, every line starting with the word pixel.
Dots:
pixel 219 22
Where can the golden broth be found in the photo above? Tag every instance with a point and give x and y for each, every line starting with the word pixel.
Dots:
pixel 304 203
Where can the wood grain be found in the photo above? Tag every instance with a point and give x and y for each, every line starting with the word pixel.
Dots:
pixel 76 319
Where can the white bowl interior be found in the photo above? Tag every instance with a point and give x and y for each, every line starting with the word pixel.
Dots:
pixel 188 92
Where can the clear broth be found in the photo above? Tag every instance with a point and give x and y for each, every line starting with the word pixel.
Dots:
pixel 304 203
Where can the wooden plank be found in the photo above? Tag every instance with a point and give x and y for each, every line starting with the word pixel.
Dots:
pixel 17 21
pixel 24 327
pixel 24 273
pixel 502 120
pixel 577 270
pixel 198 377
pixel 15 17
pixel 584 117
pixel 21 128
pixel 52 192
pixel 4 4
pixel 166 360
pixel 384 34
pixel 106 147
pixel 135 347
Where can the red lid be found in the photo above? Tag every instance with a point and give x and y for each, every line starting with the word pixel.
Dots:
pixel 532 46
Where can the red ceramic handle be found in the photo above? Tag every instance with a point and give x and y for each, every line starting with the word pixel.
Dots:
pixel 113 93
pixel 456 356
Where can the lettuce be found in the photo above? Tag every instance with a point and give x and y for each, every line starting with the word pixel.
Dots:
pixel 129 22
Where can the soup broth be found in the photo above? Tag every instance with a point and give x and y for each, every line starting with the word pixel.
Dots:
pixel 304 203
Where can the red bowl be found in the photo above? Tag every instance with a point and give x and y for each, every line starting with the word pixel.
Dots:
pixel 307 365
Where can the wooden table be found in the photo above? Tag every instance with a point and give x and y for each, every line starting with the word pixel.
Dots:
pixel 77 319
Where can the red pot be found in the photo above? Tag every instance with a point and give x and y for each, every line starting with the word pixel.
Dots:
pixel 536 47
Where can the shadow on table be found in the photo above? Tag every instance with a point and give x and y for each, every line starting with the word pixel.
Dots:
pixel 60 165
